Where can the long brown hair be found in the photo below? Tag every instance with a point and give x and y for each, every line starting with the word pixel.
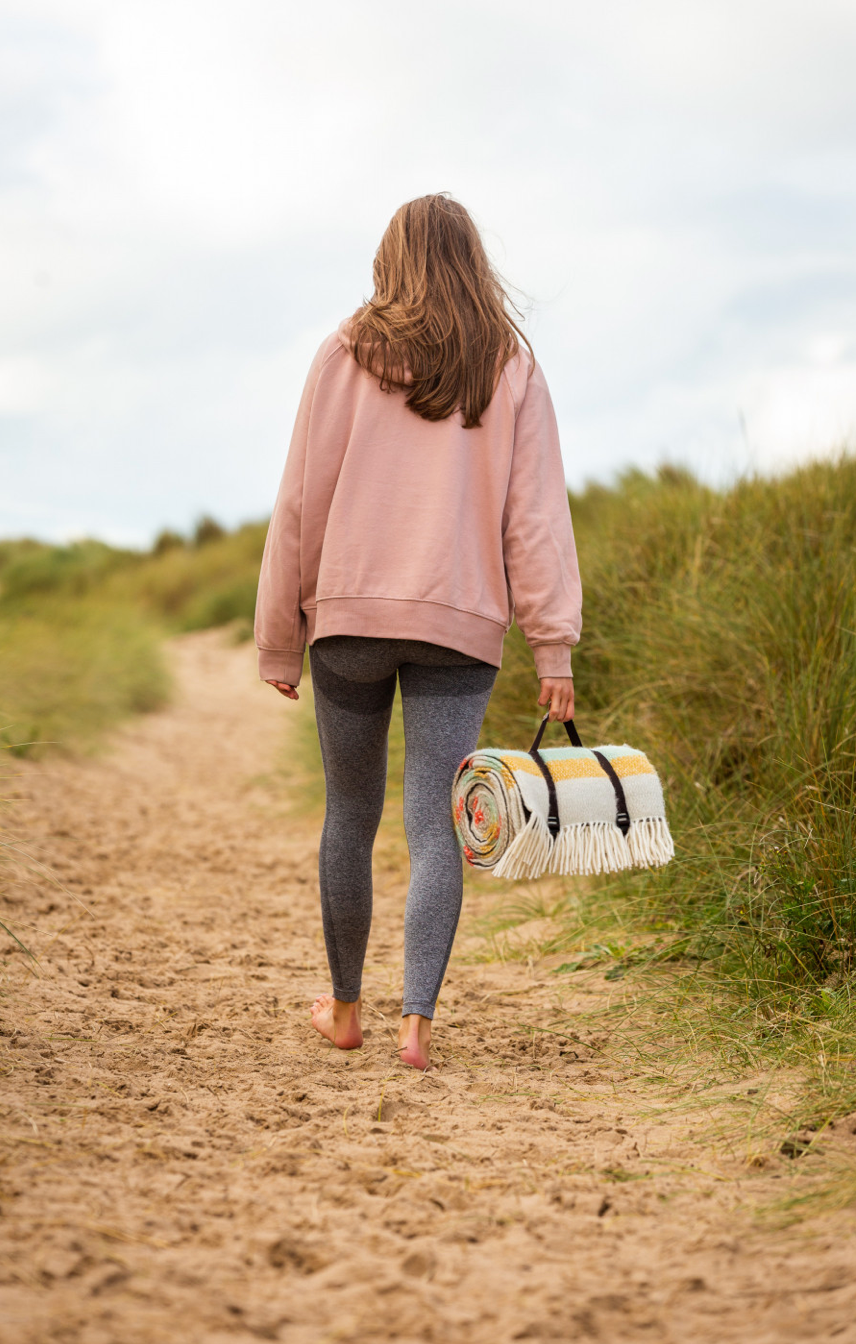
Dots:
pixel 438 321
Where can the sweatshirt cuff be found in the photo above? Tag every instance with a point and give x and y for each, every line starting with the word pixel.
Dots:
pixel 281 665
pixel 553 660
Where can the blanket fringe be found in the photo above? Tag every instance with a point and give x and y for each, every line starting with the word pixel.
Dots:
pixel 586 847
pixel 600 847
pixel 529 851
pixel 590 847
pixel 650 842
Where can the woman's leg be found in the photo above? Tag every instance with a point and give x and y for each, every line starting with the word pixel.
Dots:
pixel 443 711
pixel 353 683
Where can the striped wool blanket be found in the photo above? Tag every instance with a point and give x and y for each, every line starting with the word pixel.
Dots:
pixel 501 808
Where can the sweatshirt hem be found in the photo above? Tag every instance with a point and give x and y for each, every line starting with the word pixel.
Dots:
pixel 408 618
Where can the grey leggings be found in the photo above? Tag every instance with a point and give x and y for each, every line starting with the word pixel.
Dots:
pixel 444 696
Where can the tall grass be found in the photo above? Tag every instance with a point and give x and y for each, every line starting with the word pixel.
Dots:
pixel 721 637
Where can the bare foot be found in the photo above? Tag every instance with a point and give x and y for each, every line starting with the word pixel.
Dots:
pixel 414 1039
pixel 338 1022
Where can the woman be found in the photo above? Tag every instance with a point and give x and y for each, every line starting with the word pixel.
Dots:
pixel 423 505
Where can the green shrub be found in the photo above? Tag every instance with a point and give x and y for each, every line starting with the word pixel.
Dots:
pixel 167 540
pixel 15 548
pixel 229 602
pixel 190 587
pixel 207 530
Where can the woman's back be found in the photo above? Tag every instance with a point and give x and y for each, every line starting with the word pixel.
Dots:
pixel 420 529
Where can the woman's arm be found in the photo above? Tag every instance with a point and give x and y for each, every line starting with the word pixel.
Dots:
pixel 280 626
pixel 538 538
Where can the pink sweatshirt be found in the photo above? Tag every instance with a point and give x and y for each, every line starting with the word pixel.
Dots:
pixel 386 524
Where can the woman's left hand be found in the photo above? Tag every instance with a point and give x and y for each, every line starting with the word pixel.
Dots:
pixel 558 692
pixel 284 689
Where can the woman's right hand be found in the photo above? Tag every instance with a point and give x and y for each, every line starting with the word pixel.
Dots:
pixel 284 689
pixel 558 692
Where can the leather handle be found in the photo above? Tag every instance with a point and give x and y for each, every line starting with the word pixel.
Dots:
pixel 569 726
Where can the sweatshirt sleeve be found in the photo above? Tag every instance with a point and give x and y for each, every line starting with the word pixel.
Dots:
pixel 538 539
pixel 280 625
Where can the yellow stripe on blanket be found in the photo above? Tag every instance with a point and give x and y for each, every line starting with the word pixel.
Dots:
pixel 580 767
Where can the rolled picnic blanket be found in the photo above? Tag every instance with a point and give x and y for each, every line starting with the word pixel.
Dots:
pixel 561 810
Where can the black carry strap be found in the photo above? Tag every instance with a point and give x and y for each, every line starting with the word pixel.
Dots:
pixel 569 727
pixel 622 816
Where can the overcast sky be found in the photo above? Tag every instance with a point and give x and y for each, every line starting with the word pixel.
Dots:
pixel 192 191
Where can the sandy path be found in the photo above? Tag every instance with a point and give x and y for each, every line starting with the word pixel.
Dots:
pixel 185 1160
